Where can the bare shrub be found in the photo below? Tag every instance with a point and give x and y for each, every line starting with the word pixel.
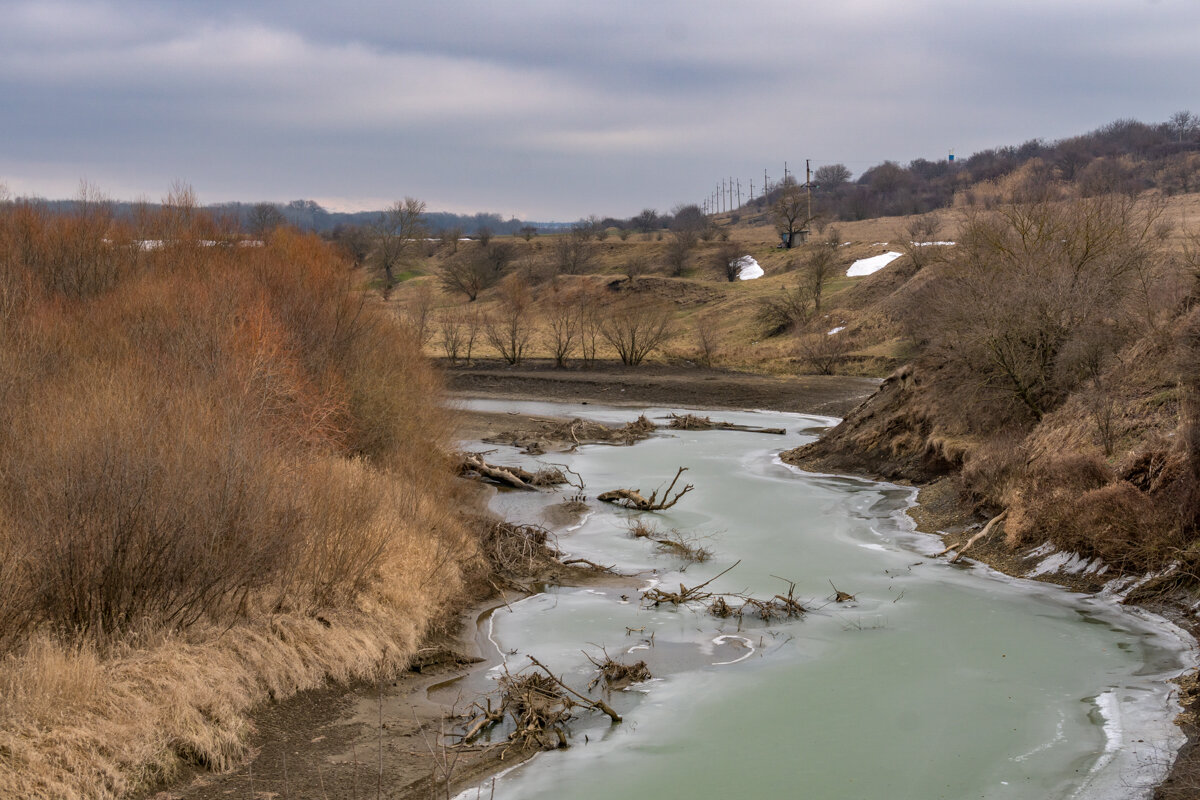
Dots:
pixel 993 471
pixel 727 258
pixel 636 327
pixel 822 351
pixel 785 311
pixel 450 324
pixel 708 337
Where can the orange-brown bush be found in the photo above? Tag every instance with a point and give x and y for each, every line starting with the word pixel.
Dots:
pixel 197 437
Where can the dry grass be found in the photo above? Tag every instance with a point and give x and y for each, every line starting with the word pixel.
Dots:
pixel 221 480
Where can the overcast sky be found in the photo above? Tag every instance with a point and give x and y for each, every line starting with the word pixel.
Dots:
pixel 549 109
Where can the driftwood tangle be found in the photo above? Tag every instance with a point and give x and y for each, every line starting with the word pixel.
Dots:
pixel 693 422
pixel 632 498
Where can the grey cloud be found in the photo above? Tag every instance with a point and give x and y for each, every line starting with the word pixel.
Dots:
pixel 552 109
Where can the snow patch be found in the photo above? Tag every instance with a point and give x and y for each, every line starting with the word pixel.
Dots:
pixel 838 329
pixel 748 269
pixel 1067 563
pixel 933 244
pixel 869 266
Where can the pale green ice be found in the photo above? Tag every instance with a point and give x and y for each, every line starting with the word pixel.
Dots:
pixel 938 681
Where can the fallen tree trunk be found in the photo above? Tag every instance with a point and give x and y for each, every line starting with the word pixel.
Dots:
pixel 515 477
pixel 987 529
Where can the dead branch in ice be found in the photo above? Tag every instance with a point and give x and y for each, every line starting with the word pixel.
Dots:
pixel 632 498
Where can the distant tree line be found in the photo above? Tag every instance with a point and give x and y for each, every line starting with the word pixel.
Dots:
pixel 1125 156
pixel 307 215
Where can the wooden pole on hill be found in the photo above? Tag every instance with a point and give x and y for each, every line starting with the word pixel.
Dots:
pixel 808 186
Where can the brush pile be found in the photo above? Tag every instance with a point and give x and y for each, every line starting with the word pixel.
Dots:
pixel 538 705
pixel 616 676
pixel 693 422
pixel 517 551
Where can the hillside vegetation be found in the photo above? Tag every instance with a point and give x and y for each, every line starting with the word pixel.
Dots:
pixel 1054 374
pixel 222 479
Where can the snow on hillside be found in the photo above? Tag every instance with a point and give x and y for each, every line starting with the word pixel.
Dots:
pixel 748 269
pixel 869 266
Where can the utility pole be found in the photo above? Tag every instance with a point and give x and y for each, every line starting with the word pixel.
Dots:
pixel 739 193
pixel 808 186
pixel 765 184
pixel 785 172
pixel 731 193
pixel 752 188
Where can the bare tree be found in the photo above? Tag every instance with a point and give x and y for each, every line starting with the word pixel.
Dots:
pixel 819 267
pixel 563 312
pixel 264 218
pixel 646 221
pixel 636 265
pixel 396 231
pixel 636 327
pixel 468 272
pixel 727 258
pixel 831 176
pixel 688 218
pixel 354 241
pixel 499 255
pixel 449 238
pixel 679 248
pixel 509 328
pixel 1185 125
pixel 484 235
pixel 418 311
pixel 590 315
pixel 573 253
pixel 790 212
pixel 472 322
pixel 528 232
